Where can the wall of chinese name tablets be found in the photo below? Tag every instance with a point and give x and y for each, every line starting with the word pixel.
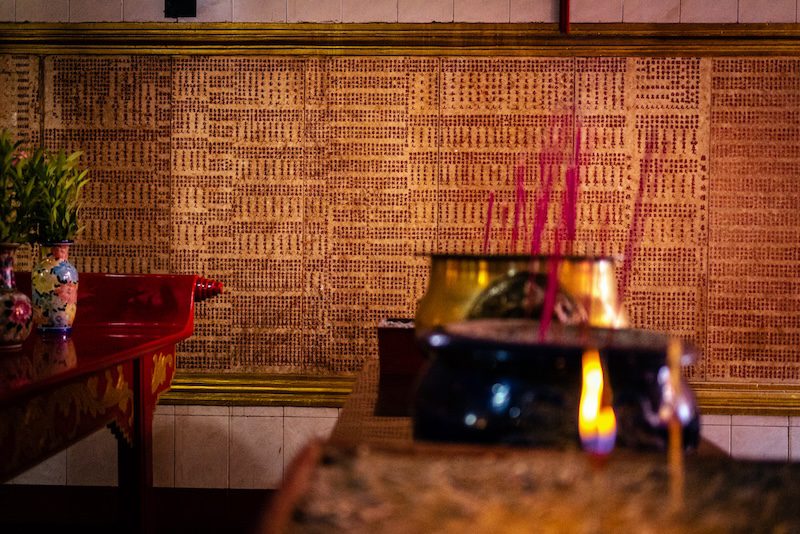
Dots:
pixel 313 187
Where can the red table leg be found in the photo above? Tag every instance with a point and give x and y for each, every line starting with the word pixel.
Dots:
pixel 152 376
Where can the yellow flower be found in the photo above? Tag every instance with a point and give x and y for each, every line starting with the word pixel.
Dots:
pixel 70 312
pixel 48 262
pixel 44 283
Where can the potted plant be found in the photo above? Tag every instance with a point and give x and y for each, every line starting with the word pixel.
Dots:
pixel 54 280
pixel 16 210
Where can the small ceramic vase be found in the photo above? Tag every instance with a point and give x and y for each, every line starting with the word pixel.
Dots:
pixel 54 281
pixel 16 313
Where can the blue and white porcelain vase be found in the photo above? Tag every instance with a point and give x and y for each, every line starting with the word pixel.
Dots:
pixel 54 283
pixel 16 314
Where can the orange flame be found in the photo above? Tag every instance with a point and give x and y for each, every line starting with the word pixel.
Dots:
pixel 597 424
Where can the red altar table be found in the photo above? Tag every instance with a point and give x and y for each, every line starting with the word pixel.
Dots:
pixel 111 370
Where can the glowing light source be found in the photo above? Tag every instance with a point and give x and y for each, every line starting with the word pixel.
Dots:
pixel 501 396
pixel 597 424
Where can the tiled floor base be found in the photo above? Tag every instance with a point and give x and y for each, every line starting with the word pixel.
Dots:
pixel 198 447
pixel 754 437
pixel 249 447
pixel 96 510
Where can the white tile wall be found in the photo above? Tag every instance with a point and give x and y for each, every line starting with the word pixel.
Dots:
pixel 314 10
pixel 298 431
pixel 717 430
pixel 794 444
pixel 42 10
pixel 257 411
pixel 249 447
pixel 212 11
pixel 201 410
pixel 143 11
pixel 95 10
pixel 596 11
pixel 481 11
pixel 715 420
pixel 649 11
pixel 794 439
pixel 299 411
pixel 6 10
pixel 259 10
pixel 256 451
pixel 93 461
pixel 759 420
pixel 754 437
pixel 767 10
pixel 202 436
pixel 582 11
pixel 51 472
pixel 760 437
pixel 369 10
pixel 719 436
pixel 300 425
pixel 164 446
pixel 718 11
pixel 760 442
pixel 534 10
pixel 425 10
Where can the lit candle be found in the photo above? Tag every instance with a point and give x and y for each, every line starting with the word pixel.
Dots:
pixel 597 424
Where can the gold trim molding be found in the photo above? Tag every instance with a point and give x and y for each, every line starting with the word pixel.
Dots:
pixel 243 389
pixel 747 399
pixel 168 38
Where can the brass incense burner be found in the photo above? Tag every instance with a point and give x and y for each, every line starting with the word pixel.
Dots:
pixel 514 286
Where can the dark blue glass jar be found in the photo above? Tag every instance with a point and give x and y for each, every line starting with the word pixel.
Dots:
pixel 496 381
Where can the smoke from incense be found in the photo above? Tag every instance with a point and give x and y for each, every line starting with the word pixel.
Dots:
pixel 552 290
pixel 635 230
pixel 570 209
pixel 519 206
pixel 542 203
pixel 569 213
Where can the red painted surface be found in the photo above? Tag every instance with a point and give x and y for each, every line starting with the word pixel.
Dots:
pixel 400 363
pixel 124 324
pixel 563 16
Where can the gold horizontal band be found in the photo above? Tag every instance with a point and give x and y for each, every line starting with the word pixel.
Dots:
pixel 242 389
pixel 463 39
pixel 747 399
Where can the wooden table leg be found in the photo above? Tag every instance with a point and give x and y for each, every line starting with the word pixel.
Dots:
pixel 136 456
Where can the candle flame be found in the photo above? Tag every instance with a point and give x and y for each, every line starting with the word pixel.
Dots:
pixel 597 424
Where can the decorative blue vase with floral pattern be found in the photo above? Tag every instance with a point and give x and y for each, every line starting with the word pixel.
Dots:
pixel 16 314
pixel 54 281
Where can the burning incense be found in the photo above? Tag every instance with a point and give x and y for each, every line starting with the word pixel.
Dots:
pixel 569 214
pixel 550 292
pixel 675 447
